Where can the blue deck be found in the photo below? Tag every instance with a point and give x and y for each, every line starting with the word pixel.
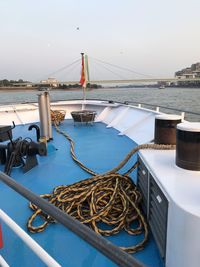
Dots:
pixel 100 149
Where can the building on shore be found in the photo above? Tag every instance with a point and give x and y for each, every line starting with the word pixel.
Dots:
pixel 52 82
pixel 189 73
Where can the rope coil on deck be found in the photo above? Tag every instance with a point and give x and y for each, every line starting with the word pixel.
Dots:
pixel 110 199
pixel 57 116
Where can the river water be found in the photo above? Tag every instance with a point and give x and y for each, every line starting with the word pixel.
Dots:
pixel 184 99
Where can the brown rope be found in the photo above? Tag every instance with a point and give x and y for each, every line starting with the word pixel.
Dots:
pixel 108 199
pixel 57 116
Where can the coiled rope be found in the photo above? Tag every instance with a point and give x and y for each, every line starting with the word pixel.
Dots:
pixel 57 116
pixel 110 199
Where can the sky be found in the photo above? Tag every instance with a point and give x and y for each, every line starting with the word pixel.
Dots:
pixel 156 37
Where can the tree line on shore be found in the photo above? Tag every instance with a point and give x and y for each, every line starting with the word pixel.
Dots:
pixel 6 82
pixel 188 84
pixel 11 83
pixel 89 85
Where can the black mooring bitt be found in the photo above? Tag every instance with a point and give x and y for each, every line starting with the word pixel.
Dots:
pixel 111 251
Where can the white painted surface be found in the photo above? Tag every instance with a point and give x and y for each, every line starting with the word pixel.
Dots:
pixel 120 117
pixel 132 118
pixel 101 116
pixel 131 124
pixel 113 113
pixel 189 126
pixel 3 263
pixel 182 189
pixel 143 132
pixel 168 117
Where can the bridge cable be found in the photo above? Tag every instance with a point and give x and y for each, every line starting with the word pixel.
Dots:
pixel 118 75
pixel 122 68
pixel 72 70
pixel 61 69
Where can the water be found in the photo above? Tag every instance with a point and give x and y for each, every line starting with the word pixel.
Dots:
pixel 185 99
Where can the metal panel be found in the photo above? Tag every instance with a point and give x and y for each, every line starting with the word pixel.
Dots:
pixel 154 205
pixel 158 206
pixel 143 186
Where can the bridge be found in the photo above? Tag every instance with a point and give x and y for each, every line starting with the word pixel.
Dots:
pixel 122 81
pixel 122 75
pixel 148 80
pixel 101 82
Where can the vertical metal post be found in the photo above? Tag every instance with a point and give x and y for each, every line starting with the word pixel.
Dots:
pixel 83 81
pixel 183 115
pixel 48 111
pixel 87 74
pixel 43 116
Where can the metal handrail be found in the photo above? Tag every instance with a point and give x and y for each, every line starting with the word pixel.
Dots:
pixel 164 107
pixel 32 244
pixel 134 102
pixel 3 263
pixel 111 251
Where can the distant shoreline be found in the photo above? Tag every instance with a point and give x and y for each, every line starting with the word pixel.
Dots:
pixel 33 89
pixel 36 89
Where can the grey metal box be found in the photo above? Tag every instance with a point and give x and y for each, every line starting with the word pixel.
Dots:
pixel 5 132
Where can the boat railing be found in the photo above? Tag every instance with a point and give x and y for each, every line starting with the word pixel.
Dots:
pixel 155 107
pixel 158 107
pixel 3 263
pixel 111 251
pixel 140 104
pixel 32 244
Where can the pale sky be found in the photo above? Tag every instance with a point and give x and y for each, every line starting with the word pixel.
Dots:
pixel 156 37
